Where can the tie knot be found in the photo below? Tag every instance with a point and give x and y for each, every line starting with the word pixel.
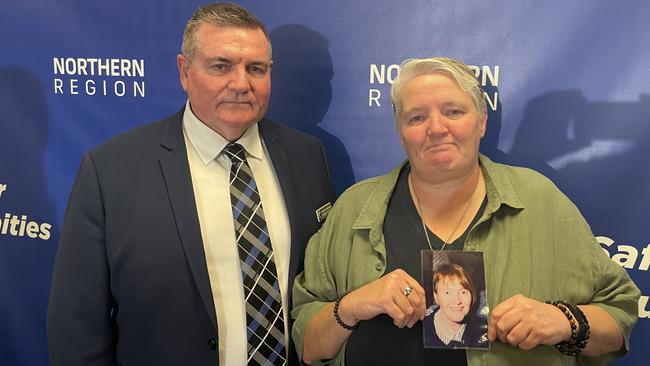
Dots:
pixel 235 152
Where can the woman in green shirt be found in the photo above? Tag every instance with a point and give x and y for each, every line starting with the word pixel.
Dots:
pixel 358 300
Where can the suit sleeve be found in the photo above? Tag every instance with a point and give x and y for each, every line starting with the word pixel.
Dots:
pixel 79 322
pixel 326 173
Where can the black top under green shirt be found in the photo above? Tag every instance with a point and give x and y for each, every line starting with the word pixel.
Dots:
pixel 377 341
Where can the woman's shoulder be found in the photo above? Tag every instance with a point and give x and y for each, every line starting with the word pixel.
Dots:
pixel 430 337
pixel 527 185
pixel 361 191
pixel 515 174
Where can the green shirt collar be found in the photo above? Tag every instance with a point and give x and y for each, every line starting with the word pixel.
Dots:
pixel 500 191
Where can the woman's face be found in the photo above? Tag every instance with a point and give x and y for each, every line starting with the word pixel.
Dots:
pixel 439 126
pixel 454 299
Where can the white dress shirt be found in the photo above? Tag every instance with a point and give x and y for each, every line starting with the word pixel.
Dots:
pixel 210 170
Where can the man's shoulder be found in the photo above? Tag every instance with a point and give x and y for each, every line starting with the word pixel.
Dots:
pixel 269 128
pixel 140 138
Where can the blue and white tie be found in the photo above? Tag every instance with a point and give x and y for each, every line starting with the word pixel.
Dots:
pixel 264 315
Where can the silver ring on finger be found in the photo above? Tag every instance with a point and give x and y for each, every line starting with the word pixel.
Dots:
pixel 407 291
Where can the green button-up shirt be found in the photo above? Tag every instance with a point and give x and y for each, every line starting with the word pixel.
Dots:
pixel 535 242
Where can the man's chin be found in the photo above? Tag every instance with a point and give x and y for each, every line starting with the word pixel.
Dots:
pixel 241 124
pixel 235 105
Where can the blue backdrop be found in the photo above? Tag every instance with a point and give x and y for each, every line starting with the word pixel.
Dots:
pixel 567 83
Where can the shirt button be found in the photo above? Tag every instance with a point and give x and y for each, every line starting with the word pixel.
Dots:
pixel 379 266
pixel 212 344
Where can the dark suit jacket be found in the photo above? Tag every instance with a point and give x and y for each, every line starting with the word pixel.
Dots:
pixel 130 283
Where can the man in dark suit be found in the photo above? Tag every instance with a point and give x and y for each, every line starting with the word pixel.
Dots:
pixel 148 270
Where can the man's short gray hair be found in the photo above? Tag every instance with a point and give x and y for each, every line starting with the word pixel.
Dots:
pixel 219 14
pixel 463 75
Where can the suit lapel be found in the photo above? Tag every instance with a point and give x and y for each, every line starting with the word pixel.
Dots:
pixel 176 172
pixel 280 160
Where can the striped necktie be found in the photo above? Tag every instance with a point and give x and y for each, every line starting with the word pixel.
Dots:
pixel 264 315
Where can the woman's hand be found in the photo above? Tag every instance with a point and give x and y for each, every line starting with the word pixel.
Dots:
pixel 526 323
pixel 385 295
pixel 324 337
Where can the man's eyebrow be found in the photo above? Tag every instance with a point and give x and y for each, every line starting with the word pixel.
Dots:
pixel 218 58
pixel 260 63
pixel 230 61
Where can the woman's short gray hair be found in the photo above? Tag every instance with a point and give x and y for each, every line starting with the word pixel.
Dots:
pixel 414 67
pixel 219 14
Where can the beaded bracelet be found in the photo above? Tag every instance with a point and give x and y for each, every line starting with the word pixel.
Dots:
pixel 338 318
pixel 582 321
pixel 578 340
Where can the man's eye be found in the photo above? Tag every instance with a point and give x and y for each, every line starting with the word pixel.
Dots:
pixel 259 70
pixel 219 67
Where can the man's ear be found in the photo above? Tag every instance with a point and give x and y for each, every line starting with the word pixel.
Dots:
pixel 183 65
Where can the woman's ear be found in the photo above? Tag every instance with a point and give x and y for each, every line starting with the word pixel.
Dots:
pixel 483 123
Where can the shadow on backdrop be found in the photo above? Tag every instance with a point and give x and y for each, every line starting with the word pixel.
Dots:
pixel 302 72
pixel 490 141
pixel 598 153
pixel 25 263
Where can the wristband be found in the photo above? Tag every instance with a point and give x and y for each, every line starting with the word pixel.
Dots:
pixel 338 318
pixel 578 341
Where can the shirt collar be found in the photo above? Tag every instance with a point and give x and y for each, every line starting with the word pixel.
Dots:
pixel 209 144
pixel 500 191
pixel 499 188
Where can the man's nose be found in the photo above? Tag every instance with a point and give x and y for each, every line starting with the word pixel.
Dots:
pixel 239 81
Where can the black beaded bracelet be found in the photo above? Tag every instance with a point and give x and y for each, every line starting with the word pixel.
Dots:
pixel 338 318
pixel 580 317
pixel 579 337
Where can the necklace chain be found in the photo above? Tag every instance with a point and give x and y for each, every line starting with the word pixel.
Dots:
pixel 424 226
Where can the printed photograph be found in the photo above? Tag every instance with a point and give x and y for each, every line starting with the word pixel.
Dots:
pixel 457 309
